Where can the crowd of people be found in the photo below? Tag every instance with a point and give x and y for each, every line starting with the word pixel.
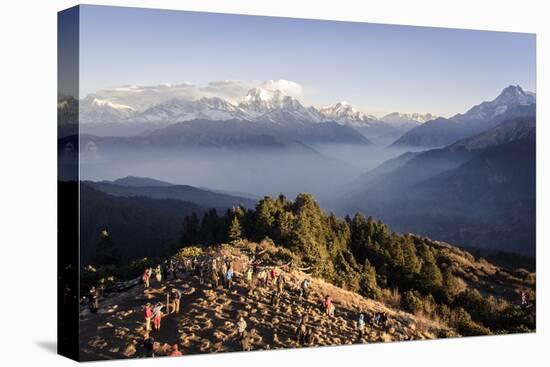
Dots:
pixel 220 272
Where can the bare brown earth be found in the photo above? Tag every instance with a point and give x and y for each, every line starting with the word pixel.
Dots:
pixel 207 318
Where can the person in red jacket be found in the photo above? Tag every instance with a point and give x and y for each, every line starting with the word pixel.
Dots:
pixel 175 351
pixel 157 315
pixel 146 277
pixel 148 315
pixel 328 304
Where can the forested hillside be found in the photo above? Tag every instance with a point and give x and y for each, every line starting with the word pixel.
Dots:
pixel 363 255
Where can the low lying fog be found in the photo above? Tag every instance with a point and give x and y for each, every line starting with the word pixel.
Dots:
pixel 360 157
pixel 256 173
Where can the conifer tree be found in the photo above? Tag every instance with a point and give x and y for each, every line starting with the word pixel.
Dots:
pixel 235 229
pixel 412 264
pixel 451 286
pixel 430 276
pixel 369 287
pixel 191 230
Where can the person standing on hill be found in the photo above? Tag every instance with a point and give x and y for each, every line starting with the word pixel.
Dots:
pixel 241 328
pixel 308 340
pixel 255 267
pixel 157 315
pixel 327 305
pixel 229 278
pixel 146 277
pixel 384 319
pixel 171 269
pixel 214 264
pixel 375 319
pixel 214 277
pixel 93 298
pixel 224 273
pixel 177 299
pixel 249 275
pixel 524 300
pixel 280 284
pixel 272 275
pixel 175 351
pixel 148 315
pixel 149 346
pixel 301 334
pixel 263 277
pixel 304 289
pixel 158 273
pixel 275 299
pixel 202 271
pixel 331 310
pixel 360 327
pixel 301 330
pixel 245 343
pixel 194 266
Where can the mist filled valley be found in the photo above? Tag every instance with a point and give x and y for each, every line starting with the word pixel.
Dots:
pixel 252 172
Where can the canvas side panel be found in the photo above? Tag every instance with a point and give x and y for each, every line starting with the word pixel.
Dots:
pixel 68 183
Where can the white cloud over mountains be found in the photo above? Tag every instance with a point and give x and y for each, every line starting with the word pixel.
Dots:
pixel 141 97
pixel 287 87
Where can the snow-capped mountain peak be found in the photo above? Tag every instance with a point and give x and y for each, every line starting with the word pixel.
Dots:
pixel 179 110
pixel 260 100
pixel 397 118
pixel 256 95
pixel 106 103
pixel 341 110
pixel 514 94
pixel 343 113
pixel 510 97
pixel 274 106
pixel 216 103
pixel 94 109
pixel 268 104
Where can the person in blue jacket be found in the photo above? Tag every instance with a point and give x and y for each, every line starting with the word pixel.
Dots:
pixel 229 278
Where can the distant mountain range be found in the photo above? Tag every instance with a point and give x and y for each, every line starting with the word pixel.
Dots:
pixel 406 121
pixel 259 105
pixel 273 107
pixel 147 187
pixel 134 181
pixel 93 109
pixel 512 102
pixel 479 191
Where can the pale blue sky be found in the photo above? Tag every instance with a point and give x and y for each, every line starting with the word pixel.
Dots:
pixel 377 68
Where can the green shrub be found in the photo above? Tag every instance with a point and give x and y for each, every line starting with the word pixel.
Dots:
pixel 284 256
pixel 187 252
pixel 471 328
pixel 412 302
